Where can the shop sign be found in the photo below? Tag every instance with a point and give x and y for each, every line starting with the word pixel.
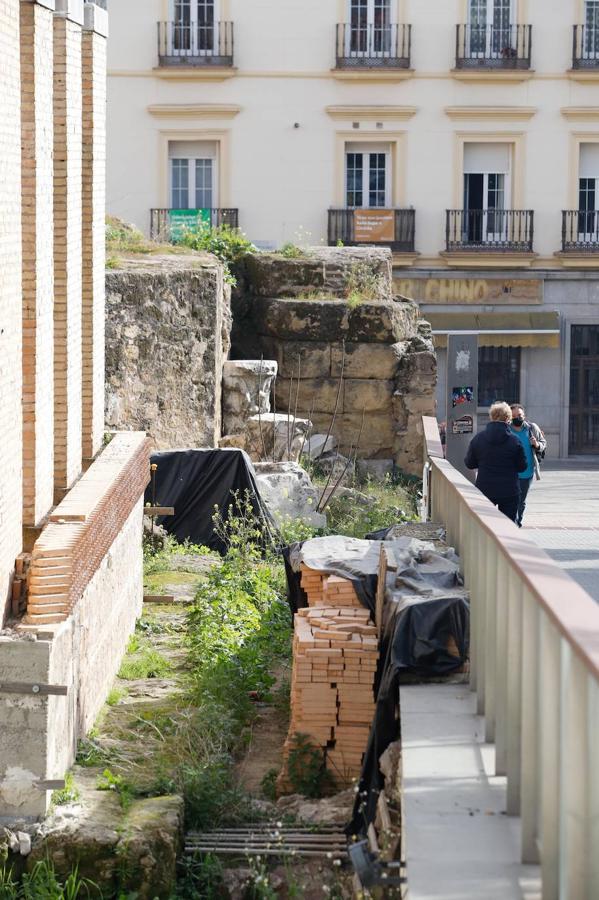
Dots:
pixel 374 226
pixel 472 290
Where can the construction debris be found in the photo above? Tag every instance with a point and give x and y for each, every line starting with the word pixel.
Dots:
pixel 335 655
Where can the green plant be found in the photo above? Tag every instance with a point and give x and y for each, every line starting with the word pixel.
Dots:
pixel 42 883
pixel 90 754
pixel 200 877
pixel 115 694
pixel 108 781
pixel 291 251
pixel 68 794
pixel 112 262
pixel 306 768
pixel 143 661
pixel 259 887
pixel 363 284
pixel 268 784
pixel 228 244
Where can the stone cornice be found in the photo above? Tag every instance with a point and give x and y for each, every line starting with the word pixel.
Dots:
pixel 582 113
pixel 194 110
pixel 490 112
pixel 367 111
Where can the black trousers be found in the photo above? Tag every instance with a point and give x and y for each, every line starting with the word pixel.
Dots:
pixel 507 505
pixel 525 484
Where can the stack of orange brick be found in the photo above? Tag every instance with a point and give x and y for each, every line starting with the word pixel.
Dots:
pixel 335 654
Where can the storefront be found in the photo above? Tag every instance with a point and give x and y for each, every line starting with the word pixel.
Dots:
pixel 538 345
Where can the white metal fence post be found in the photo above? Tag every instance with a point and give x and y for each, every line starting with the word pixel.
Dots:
pixel 514 692
pixel 530 749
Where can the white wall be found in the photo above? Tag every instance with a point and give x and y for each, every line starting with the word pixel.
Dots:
pixel 282 179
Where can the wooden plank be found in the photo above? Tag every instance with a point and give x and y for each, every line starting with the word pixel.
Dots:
pixel 159 598
pixel 380 589
pixel 159 510
pixel 55 784
pixel 21 687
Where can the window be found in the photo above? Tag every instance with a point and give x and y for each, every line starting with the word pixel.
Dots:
pixel 193 174
pixel 588 192
pixel 591 31
pixel 367 176
pixel 486 190
pixel 498 375
pixel 370 32
pixel 194 24
pixel 489 23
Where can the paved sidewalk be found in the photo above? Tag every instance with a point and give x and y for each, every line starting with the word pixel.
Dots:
pixel 562 517
pixel 460 845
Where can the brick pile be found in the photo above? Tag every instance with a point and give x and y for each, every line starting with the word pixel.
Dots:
pixel 84 526
pixel 335 655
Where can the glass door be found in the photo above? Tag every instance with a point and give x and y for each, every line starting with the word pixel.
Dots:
pixel 489 28
pixel 590 49
pixel 588 193
pixel 194 27
pixel 484 208
pixel 584 389
pixel 370 28
pixel 367 180
pixel 192 183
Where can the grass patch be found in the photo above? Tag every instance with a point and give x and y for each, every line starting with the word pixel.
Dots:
pixel 143 661
pixel 68 794
pixel 42 883
pixel 115 695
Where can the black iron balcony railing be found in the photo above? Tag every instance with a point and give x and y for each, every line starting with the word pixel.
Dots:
pixel 494 229
pixel 373 46
pixel 585 47
pixel 195 44
pixel 493 47
pixel 168 223
pixel 580 231
pixel 394 228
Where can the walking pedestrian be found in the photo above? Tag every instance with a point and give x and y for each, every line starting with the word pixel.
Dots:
pixel 499 457
pixel 534 444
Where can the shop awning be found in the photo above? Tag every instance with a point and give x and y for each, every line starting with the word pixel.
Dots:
pixel 499 329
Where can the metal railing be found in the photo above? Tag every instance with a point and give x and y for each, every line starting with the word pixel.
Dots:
pixel 493 47
pixel 494 229
pixel 580 230
pixel 373 46
pixel 160 225
pixel 195 44
pixel 341 229
pixel 535 670
pixel 585 47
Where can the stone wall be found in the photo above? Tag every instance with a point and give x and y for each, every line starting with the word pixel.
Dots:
pixel 10 297
pixel 167 337
pixel 39 734
pixel 380 345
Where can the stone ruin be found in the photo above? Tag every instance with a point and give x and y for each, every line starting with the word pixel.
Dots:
pixel 318 344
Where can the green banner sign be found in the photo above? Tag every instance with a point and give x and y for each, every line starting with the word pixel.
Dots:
pixel 182 220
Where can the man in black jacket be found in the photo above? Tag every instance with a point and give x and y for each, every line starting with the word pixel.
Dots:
pixel 499 457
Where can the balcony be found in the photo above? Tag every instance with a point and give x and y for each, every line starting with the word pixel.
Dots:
pixel 496 230
pixel 585 47
pixel 195 44
pixel 394 228
pixel 580 231
pixel 169 224
pixel 493 48
pixel 373 46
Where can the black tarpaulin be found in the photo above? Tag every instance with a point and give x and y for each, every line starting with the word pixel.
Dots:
pixel 198 483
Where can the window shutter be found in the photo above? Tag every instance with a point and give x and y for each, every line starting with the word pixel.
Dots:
pixel 487 158
pixel 589 161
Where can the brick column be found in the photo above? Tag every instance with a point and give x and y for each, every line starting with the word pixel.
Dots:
pixel 68 21
pixel 37 128
pixel 10 297
pixel 94 203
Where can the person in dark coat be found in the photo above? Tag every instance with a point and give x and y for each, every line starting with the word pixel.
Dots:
pixel 499 457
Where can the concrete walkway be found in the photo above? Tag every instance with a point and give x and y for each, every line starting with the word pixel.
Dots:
pixel 460 845
pixel 562 517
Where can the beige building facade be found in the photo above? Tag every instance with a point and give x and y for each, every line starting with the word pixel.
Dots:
pixel 71 580
pixel 462 133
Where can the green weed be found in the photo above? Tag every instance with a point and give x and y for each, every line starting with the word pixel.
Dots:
pixel 269 784
pixel 42 883
pixel 68 794
pixel 108 781
pixel 228 244
pixel 363 284
pixel 291 251
pixel 143 661
pixel 115 695
pixel 306 768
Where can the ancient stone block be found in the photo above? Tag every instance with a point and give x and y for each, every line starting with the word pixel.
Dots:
pixel 377 437
pixel 326 269
pixel 288 493
pixel 309 359
pixel 370 395
pixel 319 393
pixel 247 384
pixel 365 360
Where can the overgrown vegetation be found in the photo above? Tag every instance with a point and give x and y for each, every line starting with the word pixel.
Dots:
pixel 292 251
pixel 363 284
pixel 306 768
pixel 42 883
pixel 143 660
pixel 228 244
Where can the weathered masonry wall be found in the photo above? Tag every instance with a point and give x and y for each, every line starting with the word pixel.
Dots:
pixel 380 346
pixel 10 297
pixel 98 561
pixel 167 336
